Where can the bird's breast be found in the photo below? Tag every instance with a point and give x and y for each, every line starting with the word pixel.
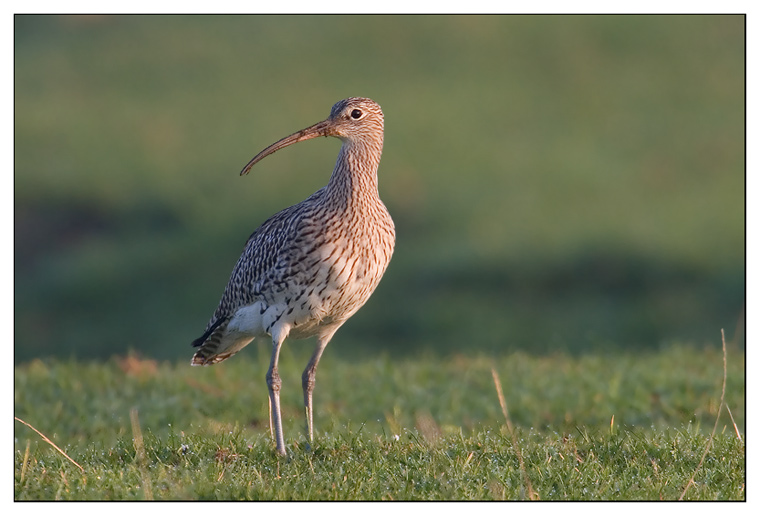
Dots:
pixel 346 271
pixel 327 271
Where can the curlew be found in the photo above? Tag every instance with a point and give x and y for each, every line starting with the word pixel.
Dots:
pixel 310 267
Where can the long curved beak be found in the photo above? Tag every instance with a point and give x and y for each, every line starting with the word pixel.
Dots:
pixel 319 129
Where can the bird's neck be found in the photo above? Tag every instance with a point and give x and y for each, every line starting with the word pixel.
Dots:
pixel 354 180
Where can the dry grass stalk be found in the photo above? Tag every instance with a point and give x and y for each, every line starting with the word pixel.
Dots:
pixel 51 443
pixel 141 455
pixel 25 463
pixel 427 426
pixel 736 429
pixel 532 495
pixel 715 427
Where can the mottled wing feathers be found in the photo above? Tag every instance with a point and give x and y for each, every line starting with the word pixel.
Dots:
pixel 259 267
pixel 258 264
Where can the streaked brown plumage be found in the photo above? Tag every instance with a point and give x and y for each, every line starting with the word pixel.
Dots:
pixel 310 267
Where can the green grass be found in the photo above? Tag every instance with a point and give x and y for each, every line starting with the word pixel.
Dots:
pixel 406 429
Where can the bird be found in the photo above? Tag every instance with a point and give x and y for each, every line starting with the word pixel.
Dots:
pixel 307 269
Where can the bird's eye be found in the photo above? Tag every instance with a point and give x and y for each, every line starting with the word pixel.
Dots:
pixel 356 114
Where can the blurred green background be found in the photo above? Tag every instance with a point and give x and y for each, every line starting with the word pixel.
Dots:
pixel 558 183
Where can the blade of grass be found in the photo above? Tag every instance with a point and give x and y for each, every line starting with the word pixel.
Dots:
pixel 51 443
pixel 736 429
pixel 715 427
pixel 532 495
pixel 141 456
pixel 26 461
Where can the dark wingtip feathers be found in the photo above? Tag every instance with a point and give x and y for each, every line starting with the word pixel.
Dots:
pixel 200 340
pixel 209 343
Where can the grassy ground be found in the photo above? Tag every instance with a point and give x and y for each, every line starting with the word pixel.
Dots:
pixel 426 428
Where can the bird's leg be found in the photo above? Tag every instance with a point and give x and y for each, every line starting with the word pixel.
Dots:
pixel 308 379
pixel 271 431
pixel 274 382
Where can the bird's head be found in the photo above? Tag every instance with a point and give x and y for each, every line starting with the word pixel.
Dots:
pixel 355 120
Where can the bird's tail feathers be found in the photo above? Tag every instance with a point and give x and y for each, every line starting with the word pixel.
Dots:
pixel 215 345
